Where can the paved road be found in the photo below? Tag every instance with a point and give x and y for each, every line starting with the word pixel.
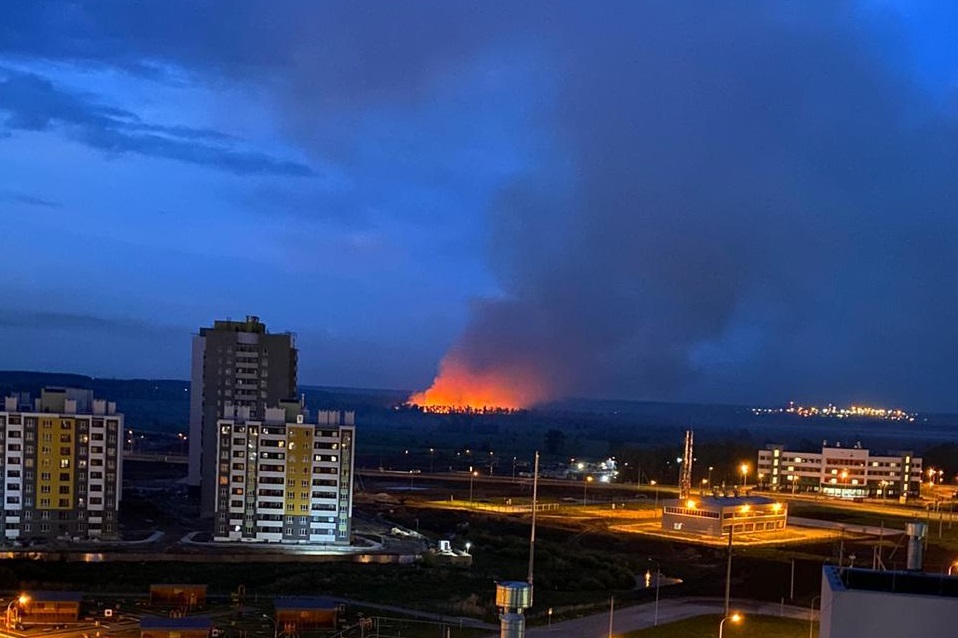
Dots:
pixel 670 610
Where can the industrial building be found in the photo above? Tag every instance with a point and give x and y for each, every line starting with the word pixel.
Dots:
pixel 716 515
pixel 34 608
pixel 282 479
pixel 236 363
pixel 298 614
pixel 61 465
pixel 179 627
pixel 843 472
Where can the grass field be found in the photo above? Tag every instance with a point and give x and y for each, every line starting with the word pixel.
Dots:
pixel 707 627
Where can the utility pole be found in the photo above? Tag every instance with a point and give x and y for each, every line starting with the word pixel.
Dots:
pixel 728 570
pixel 611 612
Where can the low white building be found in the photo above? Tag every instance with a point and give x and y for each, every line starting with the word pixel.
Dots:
pixel 843 472
pixel 887 604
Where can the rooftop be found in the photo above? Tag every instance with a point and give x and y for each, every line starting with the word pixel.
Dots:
pixel 186 622
pixel 54 596
pixel 895 582
pixel 729 501
pixel 304 602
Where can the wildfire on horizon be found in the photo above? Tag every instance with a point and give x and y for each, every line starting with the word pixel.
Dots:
pixel 457 388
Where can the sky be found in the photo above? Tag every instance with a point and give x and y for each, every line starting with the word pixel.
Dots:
pixel 748 202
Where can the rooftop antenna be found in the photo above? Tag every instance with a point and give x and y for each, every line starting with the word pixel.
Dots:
pixel 685 481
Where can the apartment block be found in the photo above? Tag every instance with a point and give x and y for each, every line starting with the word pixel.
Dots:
pixel 61 464
pixel 237 364
pixel 843 472
pixel 284 479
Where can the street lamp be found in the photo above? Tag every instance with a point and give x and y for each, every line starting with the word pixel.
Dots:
pixel 744 469
pixel 585 490
pixel 431 452
pixel 472 475
pixel 735 618
pixel 275 622
pixel 23 599
pixel 710 476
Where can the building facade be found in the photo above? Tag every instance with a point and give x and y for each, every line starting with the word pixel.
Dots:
pixel 237 363
pixel 282 479
pixel 62 465
pixel 887 604
pixel 843 472
pixel 717 515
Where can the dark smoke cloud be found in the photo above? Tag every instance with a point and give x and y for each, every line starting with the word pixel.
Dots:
pixel 737 201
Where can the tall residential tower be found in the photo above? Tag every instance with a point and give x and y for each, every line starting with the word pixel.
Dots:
pixel 235 364
pixel 283 479
pixel 61 465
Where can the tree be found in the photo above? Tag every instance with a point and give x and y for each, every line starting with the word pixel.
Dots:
pixel 555 440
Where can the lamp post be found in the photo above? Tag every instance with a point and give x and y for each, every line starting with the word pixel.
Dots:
pixel 23 599
pixel 585 490
pixel 811 615
pixel 431 453
pixel 275 622
pixel 658 577
pixel 710 476
pixel 656 506
pixel 744 469
pixel 472 475
pixel 736 617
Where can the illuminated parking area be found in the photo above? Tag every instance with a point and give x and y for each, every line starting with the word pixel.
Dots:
pixel 716 515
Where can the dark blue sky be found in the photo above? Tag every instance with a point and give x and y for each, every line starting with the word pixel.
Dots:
pixel 744 202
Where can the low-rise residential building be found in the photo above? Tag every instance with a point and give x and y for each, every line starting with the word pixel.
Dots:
pixel 61 465
pixel 843 472
pixel 283 479
pixel 716 515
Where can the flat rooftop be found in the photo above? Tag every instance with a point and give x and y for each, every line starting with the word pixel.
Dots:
pixel 892 582
pixel 726 501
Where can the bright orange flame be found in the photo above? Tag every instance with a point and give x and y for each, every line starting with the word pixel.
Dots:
pixel 459 388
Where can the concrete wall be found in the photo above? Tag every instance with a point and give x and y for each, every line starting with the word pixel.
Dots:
pixel 871 614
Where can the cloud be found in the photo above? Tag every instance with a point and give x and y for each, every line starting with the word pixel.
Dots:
pixel 83 322
pixel 33 103
pixel 729 201
pixel 29 200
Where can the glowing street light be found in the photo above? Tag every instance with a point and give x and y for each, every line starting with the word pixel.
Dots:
pixel 472 474
pixel 744 469
pixel 585 490
pixel 735 618
pixel 22 600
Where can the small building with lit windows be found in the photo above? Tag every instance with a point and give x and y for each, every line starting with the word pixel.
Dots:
pixel 283 479
pixel 716 515
pixel 841 472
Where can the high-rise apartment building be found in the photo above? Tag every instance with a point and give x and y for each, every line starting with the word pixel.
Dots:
pixel 283 479
pixel 240 364
pixel 61 464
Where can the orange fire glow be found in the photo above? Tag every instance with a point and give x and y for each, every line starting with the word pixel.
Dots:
pixel 457 388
